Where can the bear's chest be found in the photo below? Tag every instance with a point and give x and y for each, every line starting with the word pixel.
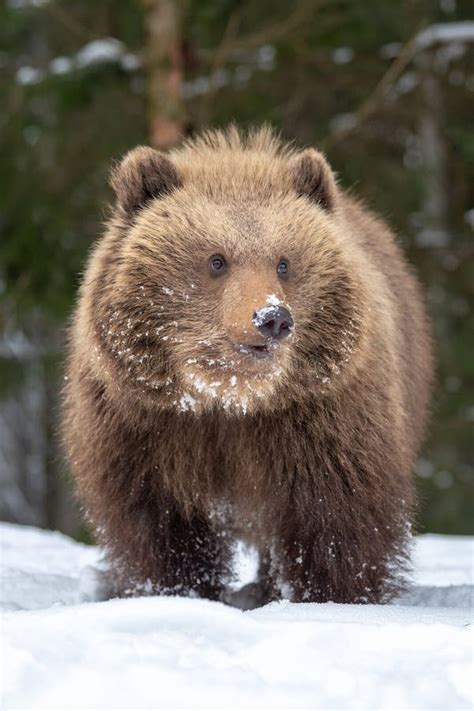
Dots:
pixel 226 467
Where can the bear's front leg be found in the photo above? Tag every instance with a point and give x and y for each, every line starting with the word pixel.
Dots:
pixel 317 569
pixel 152 542
pixel 158 550
pixel 334 556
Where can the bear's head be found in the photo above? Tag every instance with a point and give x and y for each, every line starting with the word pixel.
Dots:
pixel 228 277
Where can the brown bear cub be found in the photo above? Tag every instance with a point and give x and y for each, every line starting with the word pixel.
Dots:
pixel 250 359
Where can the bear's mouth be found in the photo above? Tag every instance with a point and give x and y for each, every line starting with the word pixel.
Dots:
pixel 260 351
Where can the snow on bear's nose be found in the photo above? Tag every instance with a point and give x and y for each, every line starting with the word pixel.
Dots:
pixel 274 322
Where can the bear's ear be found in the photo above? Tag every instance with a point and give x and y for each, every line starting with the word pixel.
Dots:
pixel 313 178
pixel 142 175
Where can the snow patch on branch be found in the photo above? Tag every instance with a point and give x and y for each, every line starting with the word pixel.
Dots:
pixel 445 32
pixel 100 51
pixel 453 34
pixel 107 50
pixel 25 4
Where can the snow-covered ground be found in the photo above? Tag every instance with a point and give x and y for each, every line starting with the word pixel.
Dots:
pixel 59 651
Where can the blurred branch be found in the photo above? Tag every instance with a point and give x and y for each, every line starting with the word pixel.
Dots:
pixel 450 32
pixel 230 47
pixel 218 60
pixel 65 19
pixel 276 31
pixel 372 103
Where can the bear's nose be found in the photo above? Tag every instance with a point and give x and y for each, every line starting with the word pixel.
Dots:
pixel 273 322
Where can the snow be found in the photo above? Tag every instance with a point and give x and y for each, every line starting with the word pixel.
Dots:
pixel 39 569
pixel 29 75
pixel 187 402
pixel 446 32
pixel 452 34
pixel 61 65
pixel 107 50
pixel 273 300
pixel 24 4
pixel 343 122
pixel 342 55
pixel 61 652
pixel 262 314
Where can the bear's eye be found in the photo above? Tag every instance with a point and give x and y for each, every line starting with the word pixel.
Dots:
pixel 283 268
pixel 217 264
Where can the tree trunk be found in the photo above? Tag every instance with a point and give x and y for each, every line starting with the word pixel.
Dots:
pixel 165 71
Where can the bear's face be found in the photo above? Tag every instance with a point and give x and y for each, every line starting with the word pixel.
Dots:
pixel 228 298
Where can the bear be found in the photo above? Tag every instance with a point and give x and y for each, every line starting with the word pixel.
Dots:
pixel 250 359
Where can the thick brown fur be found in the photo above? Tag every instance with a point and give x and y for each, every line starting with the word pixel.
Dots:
pixel 180 441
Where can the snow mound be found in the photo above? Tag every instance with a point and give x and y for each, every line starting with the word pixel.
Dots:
pixel 39 568
pixel 59 652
